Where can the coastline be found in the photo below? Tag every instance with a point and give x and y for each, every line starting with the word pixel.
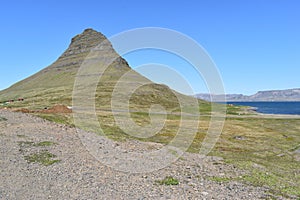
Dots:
pixel 285 116
pixel 270 108
pixel 254 113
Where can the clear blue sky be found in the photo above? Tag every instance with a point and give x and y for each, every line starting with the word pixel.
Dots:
pixel 254 43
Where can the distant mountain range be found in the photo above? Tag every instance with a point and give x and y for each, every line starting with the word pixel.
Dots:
pixel 270 95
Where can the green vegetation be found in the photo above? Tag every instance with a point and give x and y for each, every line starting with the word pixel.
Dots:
pixel 261 178
pixel 33 144
pixel 26 144
pixel 21 136
pixel 3 119
pixel 57 118
pixel 220 179
pixel 44 144
pixel 169 180
pixel 44 157
pixel 266 153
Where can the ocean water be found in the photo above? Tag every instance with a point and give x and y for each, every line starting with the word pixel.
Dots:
pixel 290 108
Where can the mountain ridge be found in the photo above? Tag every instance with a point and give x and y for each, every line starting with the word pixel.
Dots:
pixel 266 95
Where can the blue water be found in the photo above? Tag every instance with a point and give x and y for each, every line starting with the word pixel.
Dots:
pixel 290 108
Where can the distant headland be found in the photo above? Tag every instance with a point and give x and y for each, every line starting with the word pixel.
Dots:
pixel 269 95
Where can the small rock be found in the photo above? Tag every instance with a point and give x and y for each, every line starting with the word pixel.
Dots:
pixel 239 137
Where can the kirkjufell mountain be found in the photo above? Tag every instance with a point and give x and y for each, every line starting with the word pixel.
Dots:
pixel 59 75
pixel 54 84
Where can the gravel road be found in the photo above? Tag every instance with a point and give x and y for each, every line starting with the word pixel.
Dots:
pixel 78 175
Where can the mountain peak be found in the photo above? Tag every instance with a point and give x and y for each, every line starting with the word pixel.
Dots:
pixel 90 30
pixel 88 33
pixel 84 42
pixel 79 48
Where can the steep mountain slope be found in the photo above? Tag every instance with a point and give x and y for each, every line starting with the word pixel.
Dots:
pixel 56 81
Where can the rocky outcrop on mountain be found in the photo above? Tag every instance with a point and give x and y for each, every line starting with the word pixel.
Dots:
pixel 270 95
pixel 81 45
pixel 79 48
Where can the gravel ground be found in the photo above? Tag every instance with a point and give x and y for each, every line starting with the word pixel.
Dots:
pixel 79 175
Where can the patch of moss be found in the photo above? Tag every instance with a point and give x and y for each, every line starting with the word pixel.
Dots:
pixel 44 157
pixel 57 118
pixel 3 119
pixel 33 144
pixel 169 180
pixel 44 144
pixel 26 144
pixel 261 178
pixel 220 179
pixel 21 136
